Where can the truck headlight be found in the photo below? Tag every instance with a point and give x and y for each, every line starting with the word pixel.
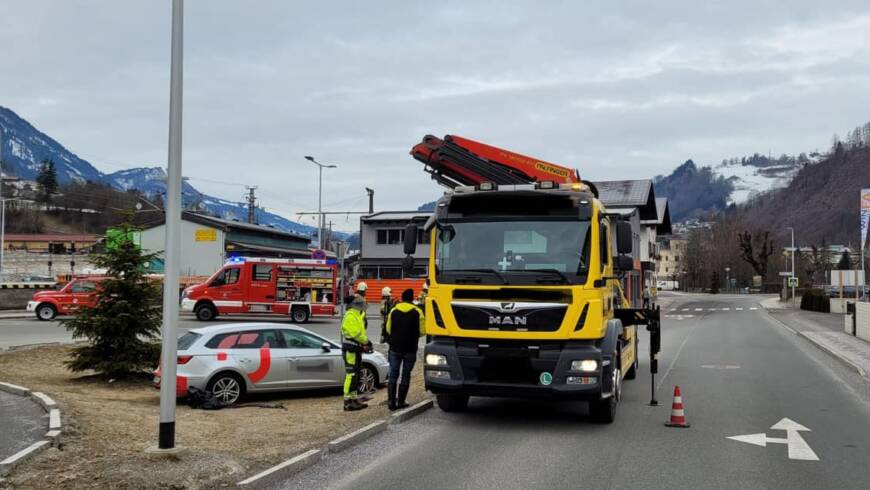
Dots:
pixel 586 365
pixel 436 360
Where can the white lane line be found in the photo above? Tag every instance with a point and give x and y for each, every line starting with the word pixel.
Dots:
pixel 712 309
pixel 677 355
pixel 738 309
pixel 753 308
pixel 726 309
pixel 685 309
pixel 699 309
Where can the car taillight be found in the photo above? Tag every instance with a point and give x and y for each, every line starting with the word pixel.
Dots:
pixel 184 359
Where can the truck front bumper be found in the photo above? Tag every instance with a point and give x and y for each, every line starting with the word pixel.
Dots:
pixel 517 369
pixel 31 305
pixel 187 304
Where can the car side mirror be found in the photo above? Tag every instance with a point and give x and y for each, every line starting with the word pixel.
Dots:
pixel 410 239
pixel 623 237
pixel 326 347
pixel 623 263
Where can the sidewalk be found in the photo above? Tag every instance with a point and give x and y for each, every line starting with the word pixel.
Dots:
pixel 11 314
pixel 825 330
pixel 22 422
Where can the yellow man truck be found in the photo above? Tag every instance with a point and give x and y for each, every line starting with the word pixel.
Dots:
pixel 524 297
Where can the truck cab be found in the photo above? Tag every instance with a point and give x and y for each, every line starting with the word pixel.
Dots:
pixel 523 297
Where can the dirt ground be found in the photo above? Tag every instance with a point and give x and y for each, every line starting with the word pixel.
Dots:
pixel 107 427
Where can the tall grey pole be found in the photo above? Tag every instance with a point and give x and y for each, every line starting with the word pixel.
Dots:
pixel 793 251
pixel 172 247
pixel 2 213
pixel 320 206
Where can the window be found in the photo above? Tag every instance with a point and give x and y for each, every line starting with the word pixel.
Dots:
pixel 423 236
pixel 263 272
pixel 395 237
pixel 603 231
pixel 257 339
pixel 84 287
pixel 223 340
pixel 390 273
pixel 228 276
pixel 382 237
pixel 187 340
pixel 295 339
pixel 368 272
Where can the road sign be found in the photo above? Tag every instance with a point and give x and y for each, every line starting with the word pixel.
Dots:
pixel 792 282
pixel 797 447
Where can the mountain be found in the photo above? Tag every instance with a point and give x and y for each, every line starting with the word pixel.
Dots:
pixel 821 202
pixel 693 191
pixel 757 174
pixel 23 148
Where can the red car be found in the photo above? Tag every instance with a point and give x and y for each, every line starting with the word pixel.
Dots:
pixel 81 292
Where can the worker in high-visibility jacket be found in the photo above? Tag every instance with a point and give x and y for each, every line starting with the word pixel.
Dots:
pixel 353 343
pixel 405 326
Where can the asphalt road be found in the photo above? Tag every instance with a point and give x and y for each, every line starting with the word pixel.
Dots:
pixel 23 423
pixel 26 331
pixel 740 372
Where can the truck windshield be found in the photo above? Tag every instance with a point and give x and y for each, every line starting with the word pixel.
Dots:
pixel 513 252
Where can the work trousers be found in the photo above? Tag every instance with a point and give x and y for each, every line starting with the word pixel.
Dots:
pixel 352 362
pixel 401 363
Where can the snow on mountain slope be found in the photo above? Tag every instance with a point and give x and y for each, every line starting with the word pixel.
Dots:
pixel 750 180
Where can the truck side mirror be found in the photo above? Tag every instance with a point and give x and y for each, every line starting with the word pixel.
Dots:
pixel 623 263
pixel 623 237
pixel 408 266
pixel 410 239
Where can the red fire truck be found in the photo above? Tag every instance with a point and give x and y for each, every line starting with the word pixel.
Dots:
pixel 299 288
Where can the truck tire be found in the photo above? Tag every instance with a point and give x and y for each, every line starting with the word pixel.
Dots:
pixel 46 312
pixel 206 312
pixel 604 411
pixel 450 402
pixel 299 315
pixel 632 371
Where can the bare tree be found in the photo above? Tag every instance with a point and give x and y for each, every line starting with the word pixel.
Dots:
pixel 757 261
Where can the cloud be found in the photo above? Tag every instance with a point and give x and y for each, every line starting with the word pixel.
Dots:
pixel 620 90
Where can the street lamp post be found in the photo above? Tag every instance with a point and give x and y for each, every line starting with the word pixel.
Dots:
pixel 168 359
pixel 320 168
pixel 727 280
pixel 791 280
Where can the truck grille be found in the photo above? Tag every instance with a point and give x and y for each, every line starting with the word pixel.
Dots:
pixel 509 316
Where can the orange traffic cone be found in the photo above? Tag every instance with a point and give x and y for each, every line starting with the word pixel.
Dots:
pixel 678 417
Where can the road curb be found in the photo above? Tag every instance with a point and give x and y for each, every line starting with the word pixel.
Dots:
pixel 292 465
pixel 837 356
pixel 313 456
pixel 357 436
pixel 51 437
pixel 411 412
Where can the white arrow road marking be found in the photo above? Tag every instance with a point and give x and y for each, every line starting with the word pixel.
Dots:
pixel 797 447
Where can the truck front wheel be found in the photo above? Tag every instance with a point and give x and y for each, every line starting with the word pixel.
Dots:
pixel 205 312
pixel 450 402
pixel 46 312
pixel 604 411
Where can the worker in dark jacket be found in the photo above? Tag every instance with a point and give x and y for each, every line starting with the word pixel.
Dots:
pixel 405 326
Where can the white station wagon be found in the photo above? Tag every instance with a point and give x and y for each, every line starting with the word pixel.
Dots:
pixel 233 359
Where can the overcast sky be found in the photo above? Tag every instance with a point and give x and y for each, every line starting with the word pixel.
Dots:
pixel 617 89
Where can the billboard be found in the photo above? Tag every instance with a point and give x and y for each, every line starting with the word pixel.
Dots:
pixel 865 216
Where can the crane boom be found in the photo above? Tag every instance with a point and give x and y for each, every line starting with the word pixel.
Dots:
pixel 456 161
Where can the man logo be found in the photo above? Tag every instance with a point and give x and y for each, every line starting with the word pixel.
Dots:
pixel 508 320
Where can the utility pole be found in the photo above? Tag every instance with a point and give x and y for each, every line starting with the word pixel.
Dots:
pixel 371 193
pixel 320 223
pixel 792 264
pixel 168 359
pixel 2 212
pixel 252 204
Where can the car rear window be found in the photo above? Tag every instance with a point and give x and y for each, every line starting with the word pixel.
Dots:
pixel 187 340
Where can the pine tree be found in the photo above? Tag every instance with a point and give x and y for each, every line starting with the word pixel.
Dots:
pixel 47 181
pixel 122 328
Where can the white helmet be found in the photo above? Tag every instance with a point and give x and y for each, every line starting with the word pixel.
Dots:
pixel 386 291
pixel 362 286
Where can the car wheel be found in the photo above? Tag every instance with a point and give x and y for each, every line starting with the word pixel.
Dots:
pixel 604 411
pixel 206 312
pixel 226 388
pixel 451 402
pixel 299 315
pixel 368 379
pixel 46 312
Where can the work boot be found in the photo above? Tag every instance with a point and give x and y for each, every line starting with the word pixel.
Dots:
pixel 353 405
pixel 391 396
pixel 403 394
